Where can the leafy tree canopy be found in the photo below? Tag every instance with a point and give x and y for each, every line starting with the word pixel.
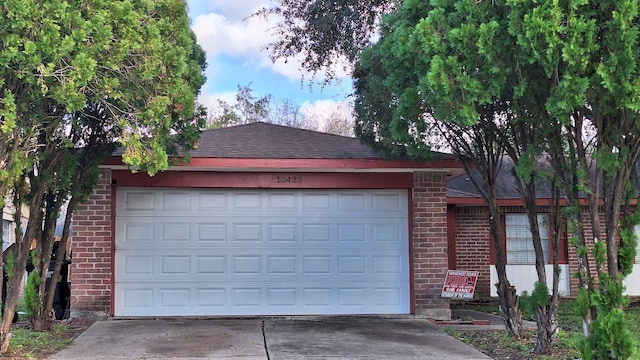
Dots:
pixel 136 60
pixel 75 77
pixel 324 31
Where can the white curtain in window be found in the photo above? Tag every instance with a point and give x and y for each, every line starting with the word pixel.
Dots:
pixel 6 234
pixel 520 240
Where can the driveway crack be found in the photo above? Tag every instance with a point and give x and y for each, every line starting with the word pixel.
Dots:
pixel 264 340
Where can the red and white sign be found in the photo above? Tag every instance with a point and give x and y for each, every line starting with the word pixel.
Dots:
pixel 460 284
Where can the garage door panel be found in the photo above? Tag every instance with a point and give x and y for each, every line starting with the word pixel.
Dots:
pixel 270 264
pixel 363 203
pixel 211 234
pixel 213 201
pixel 394 203
pixel 259 252
pixel 175 201
pixel 177 233
pixel 136 200
pixel 176 299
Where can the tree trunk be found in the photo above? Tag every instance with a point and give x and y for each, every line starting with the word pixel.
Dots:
pixel 509 310
pixel 14 284
pixel 5 340
pixel 507 295
pixel 547 324
pixel 43 320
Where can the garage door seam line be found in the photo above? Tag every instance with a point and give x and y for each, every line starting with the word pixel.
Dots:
pixel 264 340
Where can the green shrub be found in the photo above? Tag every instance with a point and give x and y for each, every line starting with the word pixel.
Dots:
pixel 31 294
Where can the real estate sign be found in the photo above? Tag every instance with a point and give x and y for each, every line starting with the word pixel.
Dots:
pixel 460 284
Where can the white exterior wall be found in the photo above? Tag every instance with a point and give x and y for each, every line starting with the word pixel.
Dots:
pixel 632 282
pixel 523 277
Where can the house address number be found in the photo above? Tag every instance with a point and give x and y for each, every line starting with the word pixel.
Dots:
pixel 280 179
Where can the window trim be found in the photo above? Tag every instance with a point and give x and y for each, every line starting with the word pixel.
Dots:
pixel 529 251
pixel 563 255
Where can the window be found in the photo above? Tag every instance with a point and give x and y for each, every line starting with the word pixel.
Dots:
pixel 637 230
pixel 520 240
pixel 6 234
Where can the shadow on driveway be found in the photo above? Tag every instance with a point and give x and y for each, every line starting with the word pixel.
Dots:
pixel 268 338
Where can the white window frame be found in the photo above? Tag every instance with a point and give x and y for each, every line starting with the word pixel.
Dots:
pixel 519 239
pixel 637 230
pixel 6 233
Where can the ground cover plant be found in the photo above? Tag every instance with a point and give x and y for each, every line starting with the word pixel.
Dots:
pixel 497 345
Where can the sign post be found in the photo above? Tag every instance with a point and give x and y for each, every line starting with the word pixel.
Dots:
pixel 460 284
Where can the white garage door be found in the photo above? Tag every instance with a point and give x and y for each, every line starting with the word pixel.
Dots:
pixel 261 252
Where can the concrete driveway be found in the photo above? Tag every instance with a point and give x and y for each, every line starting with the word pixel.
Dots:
pixel 268 338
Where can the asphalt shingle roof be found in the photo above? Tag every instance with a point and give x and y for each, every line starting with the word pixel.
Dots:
pixel 261 140
pixel 269 141
pixel 506 187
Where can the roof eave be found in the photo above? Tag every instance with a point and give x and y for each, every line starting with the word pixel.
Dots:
pixel 452 167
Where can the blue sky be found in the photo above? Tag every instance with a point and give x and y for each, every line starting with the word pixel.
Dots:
pixel 235 57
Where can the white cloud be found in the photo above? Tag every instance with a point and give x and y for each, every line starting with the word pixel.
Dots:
pixel 219 34
pixel 225 30
pixel 210 100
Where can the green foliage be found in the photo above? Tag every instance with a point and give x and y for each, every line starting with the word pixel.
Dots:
pixel 29 341
pixel 570 337
pixel 599 251
pixel 526 166
pixel 540 295
pixel 31 294
pixel 9 263
pixel 324 33
pixel 583 303
pixel 510 342
pixel 136 61
pixel 610 337
pixel 628 243
pixel 539 298
pixel 562 66
pixel 247 109
pixel 79 77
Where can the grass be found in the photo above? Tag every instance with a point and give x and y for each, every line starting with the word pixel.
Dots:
pixel 632 315
pixel 570 329
pixel 30 342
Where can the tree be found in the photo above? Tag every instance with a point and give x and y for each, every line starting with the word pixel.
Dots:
pixel 338 124
pixel 249 108
pixel 286 112
pixel 590 52
pixel 445 67
pixel 465 60
pixel 324 32
pixel 75 77
pixel 409 67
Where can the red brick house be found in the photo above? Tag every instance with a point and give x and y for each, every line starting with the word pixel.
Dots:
pixel 471 247
pixel 266 220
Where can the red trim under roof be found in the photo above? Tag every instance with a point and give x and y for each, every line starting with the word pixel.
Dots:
pixel 238 164
pixel 475 201
pixel 265 180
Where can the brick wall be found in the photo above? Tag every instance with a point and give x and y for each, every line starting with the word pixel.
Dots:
pixel 91 268
pixel 473 249
pixel 92 248
pixel 573 256
pixel 473 244
pixel 429 235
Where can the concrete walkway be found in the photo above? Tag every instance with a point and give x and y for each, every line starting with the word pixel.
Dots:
pixel 268 338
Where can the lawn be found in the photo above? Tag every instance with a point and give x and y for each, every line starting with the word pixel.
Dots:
pixel 498 345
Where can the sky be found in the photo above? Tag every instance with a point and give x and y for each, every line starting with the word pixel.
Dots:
pixel 235 56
